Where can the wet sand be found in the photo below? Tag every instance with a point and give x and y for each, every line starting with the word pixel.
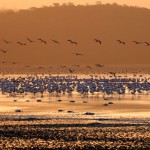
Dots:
pixel 73 134
pixel 121 125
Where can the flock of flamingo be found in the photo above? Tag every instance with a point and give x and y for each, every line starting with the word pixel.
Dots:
pixel 66 84
pixel 72 42
pixel 69 84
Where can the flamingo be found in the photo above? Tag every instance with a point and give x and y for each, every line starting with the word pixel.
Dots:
pixel 78 54
pixel 43 41
pixel 98 41
pixel 4 51
pixel 121 42
pixel 55 41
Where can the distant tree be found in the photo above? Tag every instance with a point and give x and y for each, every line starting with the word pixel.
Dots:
pixel 98 3
pixel 64 4
pixel 56 4
pixel 115 4
pixel 33 8
pixel 70 4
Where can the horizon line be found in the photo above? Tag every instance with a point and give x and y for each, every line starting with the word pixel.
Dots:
pixel 2 9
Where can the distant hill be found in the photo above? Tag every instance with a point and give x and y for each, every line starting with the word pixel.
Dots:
pixel 81 24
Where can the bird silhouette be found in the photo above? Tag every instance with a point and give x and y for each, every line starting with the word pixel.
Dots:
pixel 98 41
pixel 78 54
pixel 75 43
pixel 14 63
pixel 6 42
pixel 43 41
pixel 4 62
pixel 31 41
pixel 71 71
pixel 121 42
pixel 72 42
pixel 113 73
pixel 4 51
pixel 136 42
pixel 148 44
pixel 55 41
pixel 21 43
pixel 98 65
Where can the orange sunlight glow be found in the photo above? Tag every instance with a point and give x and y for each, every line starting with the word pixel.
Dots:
pixel 20 4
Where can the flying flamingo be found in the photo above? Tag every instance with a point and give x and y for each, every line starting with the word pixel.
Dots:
pixel 7 42
pixel 43 41
pixel 4 51
pixel 55 41
pixel 98 41
pixel 31 41
pixel 121 42
pixel 78 54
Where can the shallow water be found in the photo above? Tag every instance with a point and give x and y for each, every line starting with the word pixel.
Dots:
pixel 125 106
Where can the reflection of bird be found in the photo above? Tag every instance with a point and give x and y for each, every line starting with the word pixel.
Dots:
pixel 55 41
pixel 42 40
pixel 72 42
pixel 21 43
pixel 121 42
pixel 71 71
pixel 6 42
pixel 78 54
pixel 136 42
pixel 98 41
pixel 30 40
pixel 4 51
pixel 148 44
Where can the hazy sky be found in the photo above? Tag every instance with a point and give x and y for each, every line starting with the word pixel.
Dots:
pixel 23 4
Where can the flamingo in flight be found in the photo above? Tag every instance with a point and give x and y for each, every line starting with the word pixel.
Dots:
pixel 98 41
pixel 31 41
pixel 148 44
pixel 7 42
pixel 21 43
pixel 136 42
pixel 78 54
pixel 121 42
pixel 43 41
pixel 71 71
pixel 55 41
pixel 98 65
pixel 72 42
pixel 4 51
